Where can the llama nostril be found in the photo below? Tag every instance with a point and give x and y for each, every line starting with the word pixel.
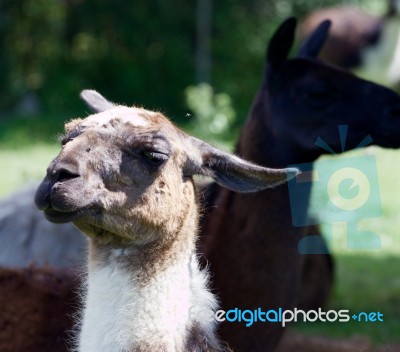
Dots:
pixel 62 175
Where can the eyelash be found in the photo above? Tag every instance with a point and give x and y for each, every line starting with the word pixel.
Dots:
pixel 65 140
pixel 154 157
pixel 61 136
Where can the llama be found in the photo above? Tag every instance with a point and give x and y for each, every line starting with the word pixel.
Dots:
pixel 368 44
pixel 124 178
pixel 352 96
pixel 252 235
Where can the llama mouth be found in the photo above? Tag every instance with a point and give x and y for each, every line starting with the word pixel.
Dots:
pixel 59 217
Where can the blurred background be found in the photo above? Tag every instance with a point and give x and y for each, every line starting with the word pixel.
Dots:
pixel 200 62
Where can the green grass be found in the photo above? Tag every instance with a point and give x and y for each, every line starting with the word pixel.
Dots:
pixel 381 217
pixel 20 166
pixel 363 283
pixel 27 145
pixel 366 280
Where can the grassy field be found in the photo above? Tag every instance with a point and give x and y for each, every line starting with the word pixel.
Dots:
pixel 366 280
pixel 21 166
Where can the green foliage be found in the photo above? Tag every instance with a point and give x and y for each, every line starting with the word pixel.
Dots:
pixel 131 52
pixel 22 131
pixel 135 52
pixel 213 113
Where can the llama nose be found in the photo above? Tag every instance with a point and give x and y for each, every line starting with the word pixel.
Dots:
pixel 57 173
pixel 62 173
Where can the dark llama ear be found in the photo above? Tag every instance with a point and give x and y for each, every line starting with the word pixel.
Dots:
pixel 281 42
pixel 315 41
pixel 95 101
pixel 235 173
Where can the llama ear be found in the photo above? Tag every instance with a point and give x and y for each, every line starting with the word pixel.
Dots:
pixel 281 42
pixel 235 173
pixel 95 101
pixel 316 40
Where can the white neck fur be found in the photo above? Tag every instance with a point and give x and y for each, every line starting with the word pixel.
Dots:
pixel 123 314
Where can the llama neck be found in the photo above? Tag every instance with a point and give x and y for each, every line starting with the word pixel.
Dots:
pixel 133 307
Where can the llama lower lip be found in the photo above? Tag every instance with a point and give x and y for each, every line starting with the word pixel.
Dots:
pixel 59 217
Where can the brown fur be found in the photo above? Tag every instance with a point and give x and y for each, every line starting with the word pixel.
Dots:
pixel 197 341
pixel 153 257
pixel 294 341
pixel 37 304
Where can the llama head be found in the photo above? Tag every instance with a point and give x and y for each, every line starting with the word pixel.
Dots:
pixel 125 173
pixel 303 99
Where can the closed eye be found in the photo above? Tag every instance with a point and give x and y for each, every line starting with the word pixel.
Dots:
pixel 155 157
pixel 65 140
pixel 318 98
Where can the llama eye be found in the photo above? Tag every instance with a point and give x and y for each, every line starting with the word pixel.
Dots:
pixel 156 158
pixel 65 140
pixel 318 98
pixel 317 95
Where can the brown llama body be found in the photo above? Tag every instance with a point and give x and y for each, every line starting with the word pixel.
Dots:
pixel 249 240
pixel 37 309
